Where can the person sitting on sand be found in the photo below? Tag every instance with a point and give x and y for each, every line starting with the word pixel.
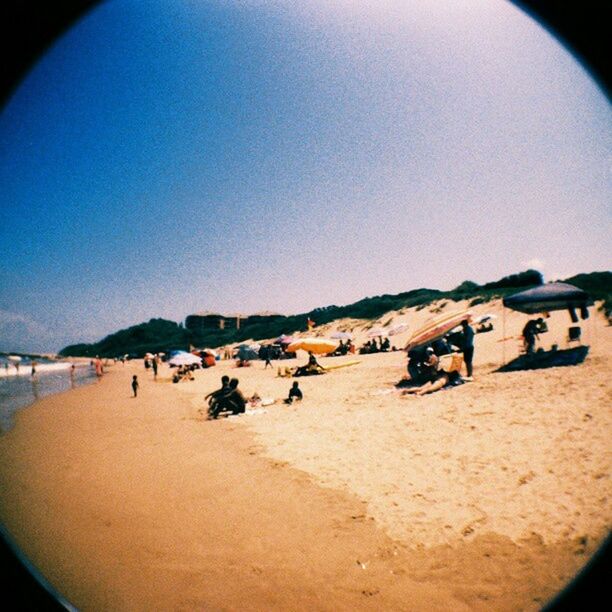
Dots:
pixel 232 400
pixel 440 380
pixel 295 393
pixel 214 396
pixel 255 400
pixel 429 365
pixel 312 367
pixel 416 356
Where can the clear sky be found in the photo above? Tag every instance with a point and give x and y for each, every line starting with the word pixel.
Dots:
pixel 167 157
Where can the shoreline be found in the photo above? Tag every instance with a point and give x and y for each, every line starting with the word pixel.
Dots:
pixel 140 503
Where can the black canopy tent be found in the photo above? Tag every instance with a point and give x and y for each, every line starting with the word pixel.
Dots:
pixel 553 296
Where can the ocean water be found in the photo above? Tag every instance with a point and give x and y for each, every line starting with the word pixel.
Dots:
pixel 19 389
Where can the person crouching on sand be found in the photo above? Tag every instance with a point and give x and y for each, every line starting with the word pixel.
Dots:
pixel 135 385
pixel 295 393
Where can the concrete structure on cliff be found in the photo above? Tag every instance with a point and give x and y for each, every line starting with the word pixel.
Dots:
pixel 209 321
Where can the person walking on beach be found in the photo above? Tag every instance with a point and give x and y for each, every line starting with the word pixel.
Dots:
pixel 135 385
pixel 154 364
pixel 468 346
pixel 268 358
pixel 33 369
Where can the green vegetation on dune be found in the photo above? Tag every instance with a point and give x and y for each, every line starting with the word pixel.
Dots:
pixel 161 335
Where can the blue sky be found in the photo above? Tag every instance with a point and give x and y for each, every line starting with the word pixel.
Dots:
pixel 169 157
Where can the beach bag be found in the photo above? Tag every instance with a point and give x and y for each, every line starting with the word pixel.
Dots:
pixel 450 363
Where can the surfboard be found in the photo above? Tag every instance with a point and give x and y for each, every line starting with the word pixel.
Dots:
pixel 341 365
pixel 438 327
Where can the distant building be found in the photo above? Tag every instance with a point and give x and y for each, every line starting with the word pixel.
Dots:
pixel 209 321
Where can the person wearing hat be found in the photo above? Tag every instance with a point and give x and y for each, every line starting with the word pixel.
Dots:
pixel 429 367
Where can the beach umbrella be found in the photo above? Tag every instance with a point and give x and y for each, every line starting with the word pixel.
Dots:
pixel 398 329
pixel 283 339
pixel 436 328
pixel 319 346
pixel 553 296
pixel 185 359
pixel 376 332
pixel 340 335
pixel 15 358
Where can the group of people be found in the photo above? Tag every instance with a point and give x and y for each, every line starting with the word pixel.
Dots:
pixel 184 372
pixel 229 398
pixel 371 346
pixel 343 348
pixel 424 367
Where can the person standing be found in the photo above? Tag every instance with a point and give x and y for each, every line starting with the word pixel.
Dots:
pixel 268 357
pixel 155 364
pixel 99 368
pixel 530 333
pixel 135 385
pixel 468 346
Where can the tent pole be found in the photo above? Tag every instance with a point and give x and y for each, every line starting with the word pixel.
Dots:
pixel 503 335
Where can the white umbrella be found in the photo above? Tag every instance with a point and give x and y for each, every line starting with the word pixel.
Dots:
pixel 376 332
pixel 340 335
pixel 398 329
pixel 14 358
pixel 185 359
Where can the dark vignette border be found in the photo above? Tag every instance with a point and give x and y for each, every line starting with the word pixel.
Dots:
pixel 29 27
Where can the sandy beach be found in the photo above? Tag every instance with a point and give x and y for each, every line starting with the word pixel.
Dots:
pixel 486 496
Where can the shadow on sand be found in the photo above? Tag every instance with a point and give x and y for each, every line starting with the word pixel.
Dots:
pixel 547 359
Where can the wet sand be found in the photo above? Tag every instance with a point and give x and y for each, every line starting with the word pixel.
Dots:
pixel 487 496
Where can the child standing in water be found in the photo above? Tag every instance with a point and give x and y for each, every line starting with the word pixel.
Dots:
pixel 135 385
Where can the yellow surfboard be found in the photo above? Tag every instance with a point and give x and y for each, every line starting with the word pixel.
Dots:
pixel 341 365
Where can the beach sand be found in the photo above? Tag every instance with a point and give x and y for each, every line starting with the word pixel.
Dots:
pixel 490 495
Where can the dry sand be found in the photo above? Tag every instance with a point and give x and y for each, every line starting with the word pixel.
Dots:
pixel 487 496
